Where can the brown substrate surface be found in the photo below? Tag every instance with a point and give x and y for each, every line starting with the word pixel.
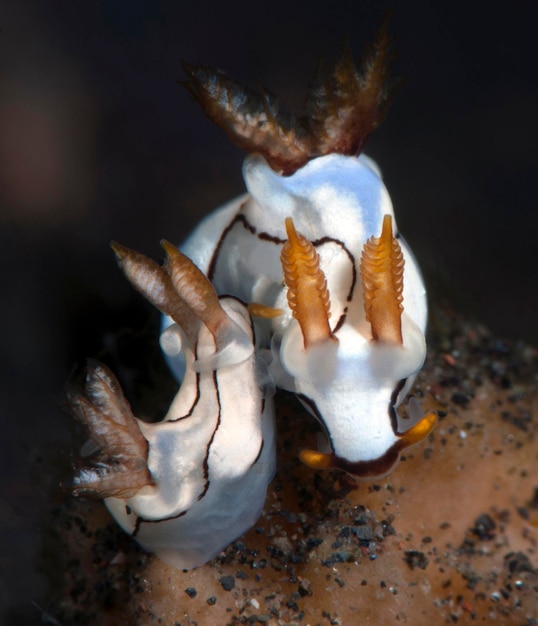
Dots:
pixel 449 537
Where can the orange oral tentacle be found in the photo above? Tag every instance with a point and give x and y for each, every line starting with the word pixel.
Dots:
pixel 256 309
pixel 315 459
pixel 308 296
pixel 381 269
pixel 419 431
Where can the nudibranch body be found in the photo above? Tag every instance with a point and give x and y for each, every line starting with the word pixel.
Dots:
pixel 353 385
pixel 189 485
pixel 316 239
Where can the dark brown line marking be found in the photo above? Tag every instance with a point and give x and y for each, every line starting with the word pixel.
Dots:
pixel 317 414
pixel 246 224
pixel 263 236
pixel 197 398
pixel 320 242
pixel 206 458
pixel 239 218
pixel 399 386
pixel 258 455
pixel 212 264
pixel 392 410
pixel 369 469
pixel 141 520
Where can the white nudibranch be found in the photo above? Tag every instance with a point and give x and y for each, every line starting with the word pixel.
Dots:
pixel 321 246
pixel 189 485
pixel 314 279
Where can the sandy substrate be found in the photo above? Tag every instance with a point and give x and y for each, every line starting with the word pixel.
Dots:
pixel 450 537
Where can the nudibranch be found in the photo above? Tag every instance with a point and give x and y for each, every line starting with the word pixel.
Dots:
pixel 189 485
pixel 316 239
pixel 304 283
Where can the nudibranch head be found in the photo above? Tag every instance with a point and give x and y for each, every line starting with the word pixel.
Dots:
pixel 352 380
pixel 341 109
pixel 354 387
pixel 377 468
pixel 355 395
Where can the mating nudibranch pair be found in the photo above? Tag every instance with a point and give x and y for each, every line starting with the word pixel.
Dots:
pixel 314 281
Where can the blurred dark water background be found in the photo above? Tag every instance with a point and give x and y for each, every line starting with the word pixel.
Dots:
pixel 98 142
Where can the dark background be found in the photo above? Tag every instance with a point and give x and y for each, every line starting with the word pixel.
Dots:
pixel 98 142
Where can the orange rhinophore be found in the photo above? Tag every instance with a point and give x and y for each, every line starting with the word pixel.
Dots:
pixel 382 269
pixel 308 296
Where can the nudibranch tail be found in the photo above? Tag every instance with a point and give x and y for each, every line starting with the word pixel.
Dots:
pixel 381 269
pixel 121 468
pixel 308 296
pixel 154 283
pixel 343 109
